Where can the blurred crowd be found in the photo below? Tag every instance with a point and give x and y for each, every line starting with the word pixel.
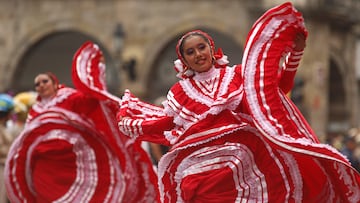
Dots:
pixel 13 114
pixel 14 110
pixel 349 145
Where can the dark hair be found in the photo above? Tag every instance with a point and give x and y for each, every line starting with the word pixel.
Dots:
pixel 4 114
pixel 181 47
pixel 52 77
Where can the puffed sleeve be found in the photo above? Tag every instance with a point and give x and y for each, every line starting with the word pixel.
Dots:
pixel 143 120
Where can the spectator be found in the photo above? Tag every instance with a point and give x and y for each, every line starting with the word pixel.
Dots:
pixel 6 107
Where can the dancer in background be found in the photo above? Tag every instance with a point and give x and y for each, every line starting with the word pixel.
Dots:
pixel 234 135
pixel 71 149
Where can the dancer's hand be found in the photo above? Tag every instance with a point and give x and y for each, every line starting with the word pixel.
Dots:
pixel 299 42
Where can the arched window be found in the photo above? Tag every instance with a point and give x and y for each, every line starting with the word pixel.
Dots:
pixel 338 115
pixel 55 53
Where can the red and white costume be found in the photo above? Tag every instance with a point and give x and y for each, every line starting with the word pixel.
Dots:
pixel 71 149
pixel 235 136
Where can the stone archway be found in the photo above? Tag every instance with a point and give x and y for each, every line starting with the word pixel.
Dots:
pixel 338 113
pixel 54 52
pixel 163 75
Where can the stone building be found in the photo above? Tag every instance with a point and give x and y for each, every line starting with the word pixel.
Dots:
pixel 138 39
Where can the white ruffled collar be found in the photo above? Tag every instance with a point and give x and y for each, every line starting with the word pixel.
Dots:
pixel 210 74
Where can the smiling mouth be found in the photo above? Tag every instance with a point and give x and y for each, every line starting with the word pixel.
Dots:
pixel 201 61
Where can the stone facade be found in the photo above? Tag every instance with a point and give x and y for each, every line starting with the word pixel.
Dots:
pixel 42 35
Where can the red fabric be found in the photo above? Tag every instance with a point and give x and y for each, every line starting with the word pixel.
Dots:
pixel 278 118
pixel 53 165
pixel 209 186
pixel 265 69
pixel 217 185
pixel 88 62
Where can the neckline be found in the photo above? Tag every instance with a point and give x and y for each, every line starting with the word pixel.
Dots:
pixel 210 74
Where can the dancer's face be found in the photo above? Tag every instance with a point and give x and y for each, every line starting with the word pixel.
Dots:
pixel 45 86
pixel 197 53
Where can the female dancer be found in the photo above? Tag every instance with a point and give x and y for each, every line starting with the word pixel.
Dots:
pixel 71 149
pixel 234 135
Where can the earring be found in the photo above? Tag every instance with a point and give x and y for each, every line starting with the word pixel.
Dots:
pixel 188 72
pixel 213 59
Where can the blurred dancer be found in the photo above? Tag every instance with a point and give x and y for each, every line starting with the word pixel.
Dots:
pixel 71 149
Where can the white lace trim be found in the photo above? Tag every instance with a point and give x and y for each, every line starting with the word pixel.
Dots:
pixel 61 95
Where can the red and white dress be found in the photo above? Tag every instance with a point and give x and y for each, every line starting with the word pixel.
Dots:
pixel 236 137
pixel 71 149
